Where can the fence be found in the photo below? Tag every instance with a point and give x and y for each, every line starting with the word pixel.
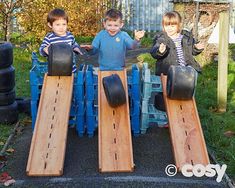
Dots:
pixel 147 14
pixel 144 14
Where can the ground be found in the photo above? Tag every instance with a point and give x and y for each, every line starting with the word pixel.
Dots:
pixel 152 153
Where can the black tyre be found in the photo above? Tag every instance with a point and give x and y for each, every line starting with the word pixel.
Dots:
pixel 60 60
pixel 7 98
pixel 6 54
pixel 114 90
pixel 181 82
pixel 24 105
pixel 9 114
pixel 7 79
pixel 159 102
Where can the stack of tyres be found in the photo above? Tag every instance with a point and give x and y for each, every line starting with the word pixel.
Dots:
pixel 8 105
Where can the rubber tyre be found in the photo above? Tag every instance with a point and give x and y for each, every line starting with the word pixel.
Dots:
pixel 9 114
pixel 181 82
pixel 7 79
pixel 114 90
pixel 7 98
pixel 159 102
pixel 6 54
pixel 24 105
pixel 60 59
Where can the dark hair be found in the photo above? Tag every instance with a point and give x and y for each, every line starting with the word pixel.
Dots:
pixel 113 14
pixel 56 14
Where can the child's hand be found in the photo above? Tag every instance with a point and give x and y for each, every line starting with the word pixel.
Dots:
pixel 86 46
pixel 46 49
pixel 199 46
pixel 162 48
pixel 78 50
pixel 139 34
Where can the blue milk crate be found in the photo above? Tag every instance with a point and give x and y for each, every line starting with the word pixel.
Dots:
pixel 78 86
pixel 135 116
pixel 91 84
pixel 134 83
pixel 77 110
pixel 150 84
pixel 80 115
pixel 34 110
pixel 91 117
pixel 150 114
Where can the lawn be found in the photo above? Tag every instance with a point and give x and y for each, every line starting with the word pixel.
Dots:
pixel 22 65
pixel 214 124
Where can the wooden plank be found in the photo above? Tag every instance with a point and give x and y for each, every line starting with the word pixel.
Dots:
pixel 185 129
pixel 115 144
pixel 47 150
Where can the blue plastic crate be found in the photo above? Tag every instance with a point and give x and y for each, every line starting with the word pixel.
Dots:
pixel 77 111
pixel 135 124
pixel 149 114
pixel 91 84
pixel 34 110
pixel 80 118
pixel 150 83
pixel 134 83
pixel 91 117
pixel 79 84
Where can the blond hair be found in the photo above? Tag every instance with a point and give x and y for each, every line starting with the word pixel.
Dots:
pixel 172 18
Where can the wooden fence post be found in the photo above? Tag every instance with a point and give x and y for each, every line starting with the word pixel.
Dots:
pixel 223 61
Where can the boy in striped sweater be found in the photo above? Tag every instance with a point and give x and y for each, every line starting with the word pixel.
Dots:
pixel 57 20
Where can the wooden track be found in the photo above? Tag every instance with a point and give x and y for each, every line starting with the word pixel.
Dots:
pixel 47 151
pixel 186 133
pixel 115 144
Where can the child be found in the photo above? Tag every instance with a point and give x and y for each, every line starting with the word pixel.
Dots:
pixel 112 43
pixel 57 20
pixel 173 46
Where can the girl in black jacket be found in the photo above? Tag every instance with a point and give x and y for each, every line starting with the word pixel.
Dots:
pixel 173 46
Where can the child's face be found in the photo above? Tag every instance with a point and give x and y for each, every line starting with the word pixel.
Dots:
pixel 59 27
pixel 171 30
pixel 113 27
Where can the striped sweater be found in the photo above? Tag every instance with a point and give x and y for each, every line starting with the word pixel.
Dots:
pixel 179 50
pixel 52 38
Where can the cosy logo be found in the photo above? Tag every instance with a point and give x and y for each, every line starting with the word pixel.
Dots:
pixel 200 170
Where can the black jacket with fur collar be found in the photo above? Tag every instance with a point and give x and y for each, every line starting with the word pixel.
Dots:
pixel 169 56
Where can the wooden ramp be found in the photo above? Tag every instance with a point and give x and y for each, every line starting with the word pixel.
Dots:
pixel 47 151
pixel 115 144
pixel 186 133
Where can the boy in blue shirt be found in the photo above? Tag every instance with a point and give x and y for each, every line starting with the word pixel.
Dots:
pixel 112 43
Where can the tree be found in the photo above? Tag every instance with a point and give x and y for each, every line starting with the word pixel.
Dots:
pixel 8 10
pixel 84 16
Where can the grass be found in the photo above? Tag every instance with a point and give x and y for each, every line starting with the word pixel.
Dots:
pixel 22 65
pixel 214 124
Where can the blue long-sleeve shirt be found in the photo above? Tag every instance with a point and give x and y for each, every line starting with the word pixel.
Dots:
pixel 52 38
pixel 112 49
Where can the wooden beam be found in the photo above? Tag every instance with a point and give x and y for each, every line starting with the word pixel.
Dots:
pixel 223 61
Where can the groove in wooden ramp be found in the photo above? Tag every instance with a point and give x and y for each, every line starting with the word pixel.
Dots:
pixel 185 129
pixel 115 144
pixel 47 150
